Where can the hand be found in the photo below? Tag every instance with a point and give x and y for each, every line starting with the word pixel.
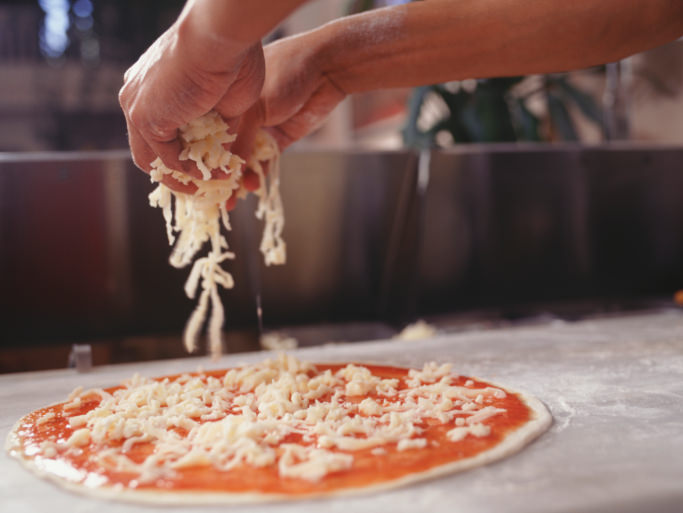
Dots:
pixel 297 95
pixel 296 99
pixel 183 75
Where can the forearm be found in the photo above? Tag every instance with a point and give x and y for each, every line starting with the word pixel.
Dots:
pixel 441 40
pixel 220 28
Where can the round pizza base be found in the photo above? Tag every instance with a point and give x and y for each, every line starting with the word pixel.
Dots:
pixel 513 442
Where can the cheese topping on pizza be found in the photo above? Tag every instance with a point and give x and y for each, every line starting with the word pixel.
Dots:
pixel 197 217
pixel 306 421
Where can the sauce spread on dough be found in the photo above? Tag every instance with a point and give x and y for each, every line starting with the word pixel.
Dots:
pixel 370 466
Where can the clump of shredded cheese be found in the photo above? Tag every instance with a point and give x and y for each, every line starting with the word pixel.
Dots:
pixel 197 218
pixel 265 162
pixel 282 412
pixel 417 331
pixel 275 341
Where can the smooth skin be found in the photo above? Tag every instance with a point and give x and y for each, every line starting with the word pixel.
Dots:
pixel 211 58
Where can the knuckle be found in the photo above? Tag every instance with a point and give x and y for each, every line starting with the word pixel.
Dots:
pixel 137 118
pixel 136 161
pixel 123 97
pixel 159 131
pixel 150 126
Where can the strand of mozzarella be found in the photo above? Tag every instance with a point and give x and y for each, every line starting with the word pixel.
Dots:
pixel 197 217
pixel 247 416
pixel 267 151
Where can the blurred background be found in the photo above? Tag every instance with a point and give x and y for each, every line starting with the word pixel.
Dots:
pixel 62 64
pixel 472 203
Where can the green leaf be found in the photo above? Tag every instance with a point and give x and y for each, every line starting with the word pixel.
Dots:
pixel 584 101
pixel 457 106
pixel 490 118
pixel 357 6
pixel 560 118
pixel 412 137
pixel 527 124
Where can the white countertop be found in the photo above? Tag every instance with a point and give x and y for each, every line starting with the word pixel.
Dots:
pixel 614 387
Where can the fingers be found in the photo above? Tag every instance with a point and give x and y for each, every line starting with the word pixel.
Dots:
pixel 231 203
pixel 169 151
pixel 146 147
pixel 249 125
pixel 238 101
pixel 145 151
pixel 158 96
pixel 281 137
pixel 241 95
pixel 250 181
pixel 142 154
pixel 245 90
pixel 175 185
pixel 310 116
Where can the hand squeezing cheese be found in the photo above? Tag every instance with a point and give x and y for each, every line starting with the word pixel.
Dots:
pixel 197 218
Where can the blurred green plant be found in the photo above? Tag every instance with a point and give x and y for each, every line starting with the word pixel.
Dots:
pixel 496 111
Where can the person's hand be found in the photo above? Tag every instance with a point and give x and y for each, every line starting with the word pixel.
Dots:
pixel 183 75
pixel 297 95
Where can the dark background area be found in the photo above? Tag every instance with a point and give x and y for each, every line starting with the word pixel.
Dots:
pixel 481 235
pixel 498 234
pixel 62 63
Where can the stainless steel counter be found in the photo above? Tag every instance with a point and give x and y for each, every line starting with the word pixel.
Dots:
pixel 614 387
pixel 371 237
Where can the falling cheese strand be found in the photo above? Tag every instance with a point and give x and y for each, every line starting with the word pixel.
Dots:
pixel 197 218
pixel 270 203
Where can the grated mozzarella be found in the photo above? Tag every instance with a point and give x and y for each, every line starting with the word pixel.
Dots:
pixel 411 443
pixel 416 331
pixel 197 218
pixel 281 412
pixel 45 418
pixel 79 438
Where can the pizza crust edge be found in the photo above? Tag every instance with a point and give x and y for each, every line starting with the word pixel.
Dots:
pixel 514 442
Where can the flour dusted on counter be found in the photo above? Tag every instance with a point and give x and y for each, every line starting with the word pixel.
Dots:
pixel 194 219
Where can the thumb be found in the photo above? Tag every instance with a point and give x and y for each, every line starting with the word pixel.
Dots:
pixel 249 125
pixel 245 90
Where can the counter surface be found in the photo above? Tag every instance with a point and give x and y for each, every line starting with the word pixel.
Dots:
pixel 614 387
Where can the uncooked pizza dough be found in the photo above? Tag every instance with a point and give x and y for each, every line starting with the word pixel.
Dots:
pixel 279 430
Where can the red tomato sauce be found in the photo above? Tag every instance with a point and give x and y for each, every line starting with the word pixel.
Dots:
pixel 368 469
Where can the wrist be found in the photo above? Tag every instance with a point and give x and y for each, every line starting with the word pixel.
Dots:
pixel 353 48
pixel 333 51
pixel 232 26
pixel 206 42
pixel 330 55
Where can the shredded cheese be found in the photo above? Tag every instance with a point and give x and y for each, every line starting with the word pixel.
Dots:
pixel 416 331
pixel 411 443
pixel 197 218
pixel 282 412
pixel 278 342
pixel 45 418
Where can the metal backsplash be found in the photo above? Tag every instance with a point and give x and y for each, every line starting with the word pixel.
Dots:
pixel 370 235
